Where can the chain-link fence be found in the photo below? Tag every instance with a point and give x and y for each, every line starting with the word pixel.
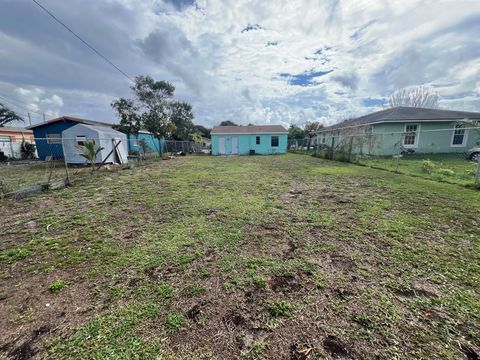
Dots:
pixel 450 155
pixel 47 163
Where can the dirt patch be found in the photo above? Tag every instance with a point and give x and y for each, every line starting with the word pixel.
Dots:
pixel 24 347
pixel 342 262
pixel 289 249
pixel 256 295
pixel 420 289
pixel 194 313
pixel 301 351
pixel 234 319
pixel 337 348
pixel 285 283
pixel 293 196
pixel 469 352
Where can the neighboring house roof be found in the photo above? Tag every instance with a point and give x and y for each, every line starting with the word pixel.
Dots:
pixel 405 114
pixel 251 129
pixel 15 129
pixel 72 119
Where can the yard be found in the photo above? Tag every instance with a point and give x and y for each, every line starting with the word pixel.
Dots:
pixel 285 256
pixel 451 168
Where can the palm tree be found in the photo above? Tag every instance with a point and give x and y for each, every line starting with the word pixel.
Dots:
pixel 90 152
pixel 196 138
pixel 7 115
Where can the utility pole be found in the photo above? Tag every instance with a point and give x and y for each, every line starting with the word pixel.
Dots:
pixel 29 119
pixel 43 117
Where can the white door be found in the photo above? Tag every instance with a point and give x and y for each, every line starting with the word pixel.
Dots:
pixel 221 145
pixel 234 145
pixel 122 151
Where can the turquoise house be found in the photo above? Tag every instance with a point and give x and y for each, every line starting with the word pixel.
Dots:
pixel 405 129
pixel 249 140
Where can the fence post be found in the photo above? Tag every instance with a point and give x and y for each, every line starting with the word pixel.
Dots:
pixel 67 175
pixel 333 145
pixel 477 175
pixel 350 149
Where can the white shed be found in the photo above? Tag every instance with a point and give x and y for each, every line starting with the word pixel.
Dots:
pixel 114 143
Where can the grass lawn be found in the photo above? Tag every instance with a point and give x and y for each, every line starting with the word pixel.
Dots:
pixel 276 257
pixel 463 171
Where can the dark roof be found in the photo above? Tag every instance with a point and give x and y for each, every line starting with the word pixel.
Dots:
pixel 406 114
pixel 72 119
pixel 251 129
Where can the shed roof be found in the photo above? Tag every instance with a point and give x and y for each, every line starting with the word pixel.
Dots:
pixel 250 129
pixel 406 114
pixel 71 119
pixel 101 130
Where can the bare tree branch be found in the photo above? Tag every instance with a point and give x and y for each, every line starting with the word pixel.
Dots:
pixel 419 97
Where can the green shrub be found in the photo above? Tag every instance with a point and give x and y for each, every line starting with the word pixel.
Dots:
pixel 280 308
pixel 427 166
pixel 174 322
pixel 14 254
pixel 165 291
pixel 446 172
pixel 58 285
pixel 27 150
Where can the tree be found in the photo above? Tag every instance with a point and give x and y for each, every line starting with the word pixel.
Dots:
pixel 7 115
pixel 196 138
pixel 311 128
pixel 295 132
pixel 182 117
pixel 205 132
pixel 130 121
pixel 228 123
pixel 155 99
pixel 90 152
pixel 27 150
pixel 418 97
pixel 153 109
pixel 144 147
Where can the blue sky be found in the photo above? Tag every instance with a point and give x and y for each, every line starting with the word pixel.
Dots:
pixel 260 62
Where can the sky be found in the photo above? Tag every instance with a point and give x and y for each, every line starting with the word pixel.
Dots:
pixel 256 61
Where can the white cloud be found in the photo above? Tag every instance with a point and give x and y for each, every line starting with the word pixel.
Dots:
pixel 372 47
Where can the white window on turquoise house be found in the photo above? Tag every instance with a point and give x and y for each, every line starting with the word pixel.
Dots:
pixel 274 141
pixel 411 135
pixel 459 135
pixel 136 142
pixel 257 140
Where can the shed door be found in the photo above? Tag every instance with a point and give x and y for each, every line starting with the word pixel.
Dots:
pixel 221 145
pixel 121 153
pixel 235 145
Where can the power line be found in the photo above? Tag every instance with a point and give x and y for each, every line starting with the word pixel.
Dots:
pixel 83 41
pixel 16 103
